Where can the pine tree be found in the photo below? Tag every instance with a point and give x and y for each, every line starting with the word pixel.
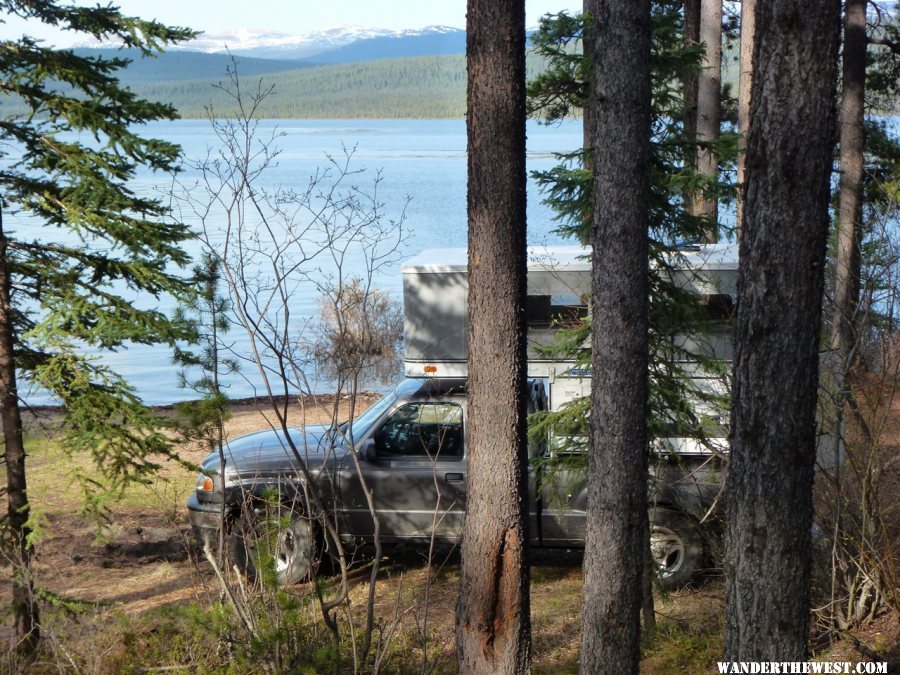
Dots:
pixel 204 419
pixel 493 626
pixel 66 165
pixel 678 405
pixel 617 465
pixel 768 544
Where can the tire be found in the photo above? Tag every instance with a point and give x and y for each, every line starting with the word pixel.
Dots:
pixel 676 547
pixel 273 538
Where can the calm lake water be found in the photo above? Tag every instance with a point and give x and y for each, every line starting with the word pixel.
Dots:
pixel 424 160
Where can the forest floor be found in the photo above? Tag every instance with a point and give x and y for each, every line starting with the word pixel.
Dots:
pixel 136 596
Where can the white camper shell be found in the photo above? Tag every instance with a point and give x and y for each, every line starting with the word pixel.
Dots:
pixel 435 291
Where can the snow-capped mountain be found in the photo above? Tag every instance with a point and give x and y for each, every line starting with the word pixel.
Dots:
pixel 270 43
pixel 341 44
pixel 317 45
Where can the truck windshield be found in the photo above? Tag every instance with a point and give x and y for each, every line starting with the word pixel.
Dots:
pixel 364 422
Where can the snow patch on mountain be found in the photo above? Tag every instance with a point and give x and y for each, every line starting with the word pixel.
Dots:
pixel 277 44
pixel 282 45
pixel 242 40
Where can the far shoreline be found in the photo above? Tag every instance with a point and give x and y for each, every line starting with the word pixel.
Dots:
pixel 257 402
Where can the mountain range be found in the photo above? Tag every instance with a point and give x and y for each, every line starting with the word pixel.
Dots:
pixel 346 72
pixel 337 73
pixel 342 44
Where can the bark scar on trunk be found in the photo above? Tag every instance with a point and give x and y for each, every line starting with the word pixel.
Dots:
pixel 502 604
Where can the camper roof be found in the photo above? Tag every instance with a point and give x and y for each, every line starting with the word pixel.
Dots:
pixel 569 258
pixel 709 257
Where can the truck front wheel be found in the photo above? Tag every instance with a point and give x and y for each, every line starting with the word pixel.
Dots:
pixel 273 540
pixel 676 547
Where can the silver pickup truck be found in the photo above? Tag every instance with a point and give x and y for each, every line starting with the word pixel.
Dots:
pixel 410 448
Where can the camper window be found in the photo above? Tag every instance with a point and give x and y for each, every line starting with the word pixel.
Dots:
pixel 543 311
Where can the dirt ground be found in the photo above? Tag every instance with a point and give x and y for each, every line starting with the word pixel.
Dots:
pixel 145 556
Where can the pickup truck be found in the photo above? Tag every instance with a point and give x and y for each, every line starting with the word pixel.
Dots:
pixel 410 448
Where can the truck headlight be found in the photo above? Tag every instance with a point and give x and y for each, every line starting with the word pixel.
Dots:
pixel 204 483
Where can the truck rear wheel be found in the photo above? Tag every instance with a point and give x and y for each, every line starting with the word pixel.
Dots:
pixel 676 547
pixel 273 539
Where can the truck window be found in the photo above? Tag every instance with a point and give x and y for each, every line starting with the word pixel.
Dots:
pixel 422 431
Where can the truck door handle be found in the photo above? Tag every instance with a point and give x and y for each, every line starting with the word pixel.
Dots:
pixel 454 477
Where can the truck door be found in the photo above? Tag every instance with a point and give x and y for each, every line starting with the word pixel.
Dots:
pixel 414 464
pixel 557 476
pixel 563 502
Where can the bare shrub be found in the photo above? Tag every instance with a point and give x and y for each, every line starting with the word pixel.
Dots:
pixel 858 497
pixel 274 245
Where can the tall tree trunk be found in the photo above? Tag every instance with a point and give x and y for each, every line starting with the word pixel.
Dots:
pixel 25 608
pixel 493 629
pixel 588 42
pixel 748 28
pixel 689 92
pixel 847 250
pixel 617 468
pixel 780 283
pixel 690 84
pixel 709 110
pixel 847 255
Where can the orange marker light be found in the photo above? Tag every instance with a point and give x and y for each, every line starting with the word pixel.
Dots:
pixel 430 370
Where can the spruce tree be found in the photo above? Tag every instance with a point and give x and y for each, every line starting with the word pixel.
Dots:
pixel 87 246
pixel 560 92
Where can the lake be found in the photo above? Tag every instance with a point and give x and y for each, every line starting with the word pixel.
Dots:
pixel 423 160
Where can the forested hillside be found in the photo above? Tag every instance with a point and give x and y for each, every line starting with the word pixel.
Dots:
pixel 417 87
pixel 427 87
pixel 189 65
pixel 421 87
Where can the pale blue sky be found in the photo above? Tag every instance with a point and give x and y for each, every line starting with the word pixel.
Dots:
pixel 297 17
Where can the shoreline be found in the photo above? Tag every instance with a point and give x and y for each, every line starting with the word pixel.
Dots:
pixel 256 402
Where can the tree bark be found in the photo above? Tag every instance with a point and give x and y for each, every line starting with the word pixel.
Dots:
pixel 780 284
pixel 617 467
pixel 709 110
pixel 493 629
pixel 651 569
pixel 748 28
pixel 25 609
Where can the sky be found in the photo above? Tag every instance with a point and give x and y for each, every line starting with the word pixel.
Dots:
pixel 295 17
